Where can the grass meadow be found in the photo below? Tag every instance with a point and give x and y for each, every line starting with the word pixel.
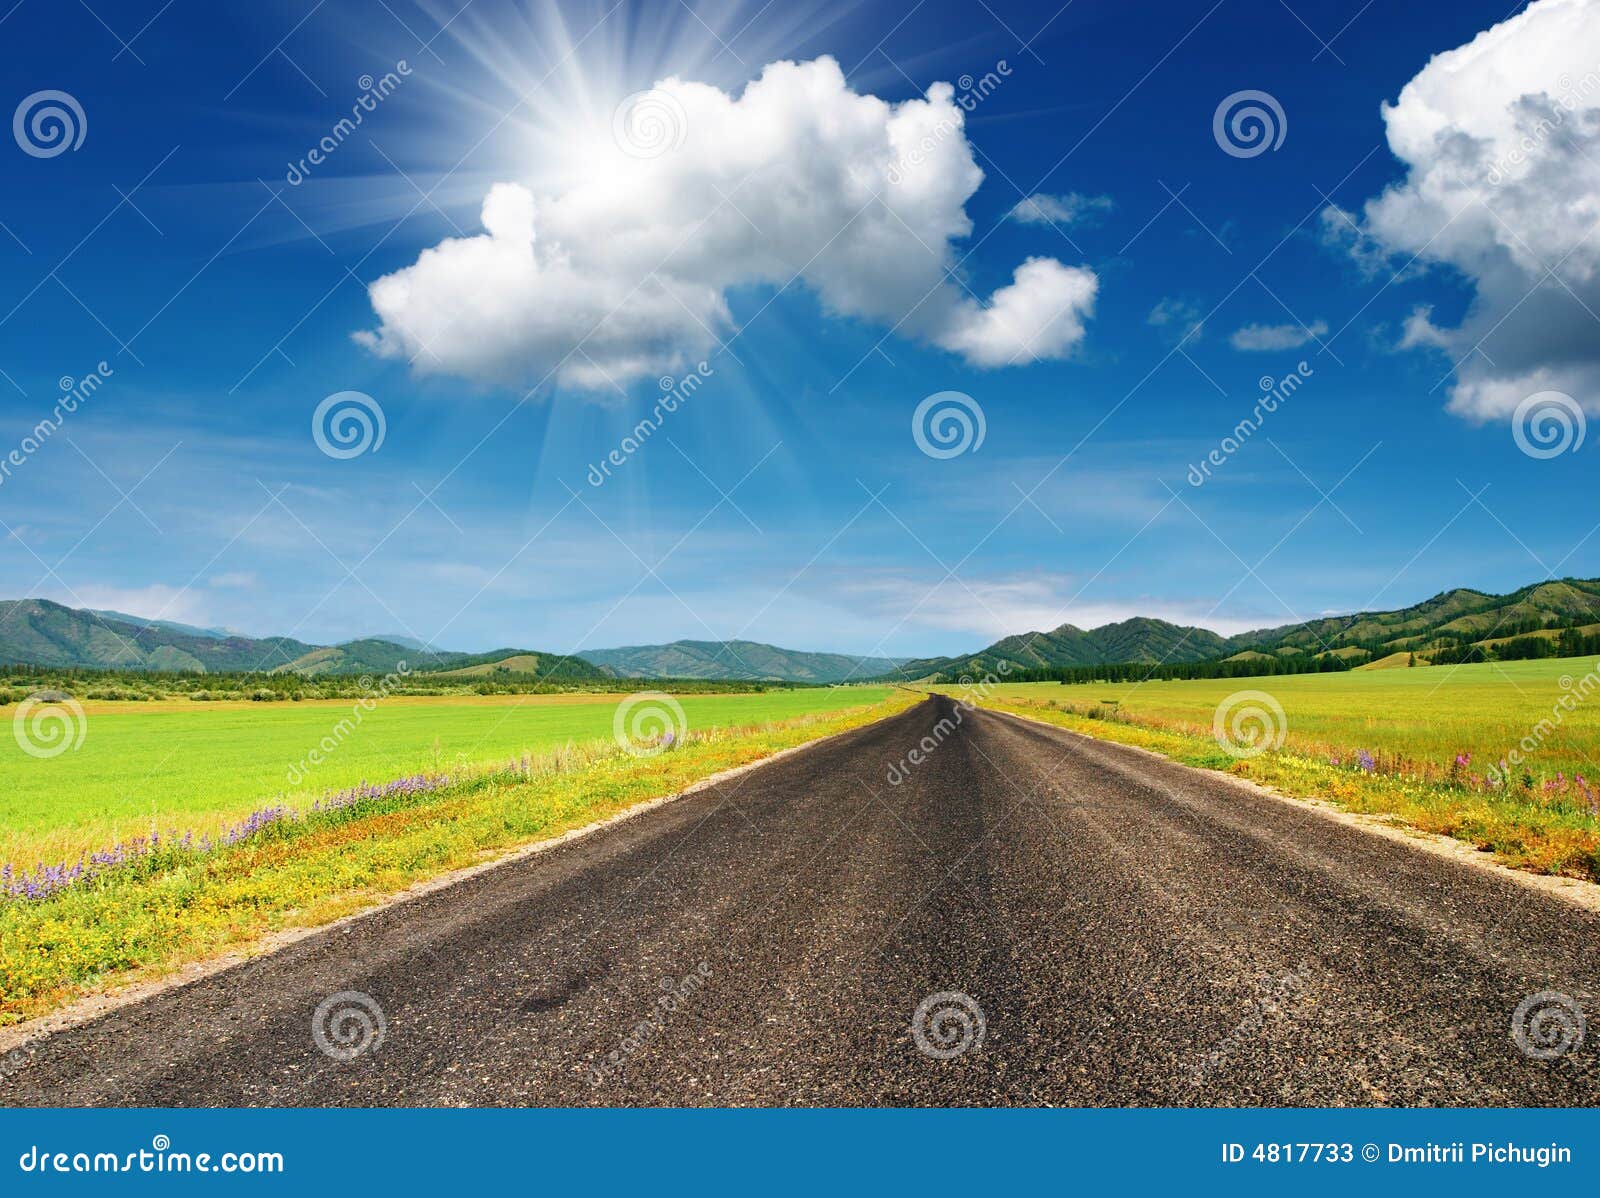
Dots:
pixel 1505 756
pixel 197 767
pixel 1428 714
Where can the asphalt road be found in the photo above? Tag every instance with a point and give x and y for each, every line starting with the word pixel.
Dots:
pixel 1128 932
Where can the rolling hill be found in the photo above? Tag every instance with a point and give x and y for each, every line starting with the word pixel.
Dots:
pixel 521 662
pixel 367 656
pixel 1449 626
pixel 1140 639
pixel 215 634
pixel 743 660
pixel 38 632
pixel 1450 620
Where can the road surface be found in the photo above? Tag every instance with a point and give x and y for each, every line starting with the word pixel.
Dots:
pixel 1080 924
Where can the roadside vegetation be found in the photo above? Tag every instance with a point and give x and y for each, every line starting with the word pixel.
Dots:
pixel 145 686
pixel 175 766
pixel 1505 757
pixel 156 905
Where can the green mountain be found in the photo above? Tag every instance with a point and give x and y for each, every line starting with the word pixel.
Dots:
pixel 1545 618
pixel 1443 627
pixel 367 656
pixel 743 660
pixel 1140 639
pixel 41 633
pixel 215 634
pixel 520 662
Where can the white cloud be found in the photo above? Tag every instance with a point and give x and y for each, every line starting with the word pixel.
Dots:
pixel 1420 330
pixel 237 580
pixel 155 602
pixel 1043 209
pixel 1340 230
pixel 1260 337
pixel 1501 138
pixel 1039 315
pixel 987 609
pixel 1182 318
pixel 625 272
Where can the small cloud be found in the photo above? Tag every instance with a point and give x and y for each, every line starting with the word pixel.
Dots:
pixel 157 602
pixel 237 580
pixel 1421 331
pixel 1069 209
pixel 1341 233
pixel 1180 316
pixel 1260 337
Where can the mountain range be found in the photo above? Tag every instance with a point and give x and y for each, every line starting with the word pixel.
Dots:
pixel 39 632
pixel 1450 626
pixel 1140 639
pixel 1455 625
pixel 736 659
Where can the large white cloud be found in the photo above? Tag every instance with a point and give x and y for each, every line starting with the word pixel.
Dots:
pixel 1502 141
pixel 626 272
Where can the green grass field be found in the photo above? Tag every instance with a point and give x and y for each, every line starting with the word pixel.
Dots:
pixel 1429 714
pixel 1421 746
pixel 198 766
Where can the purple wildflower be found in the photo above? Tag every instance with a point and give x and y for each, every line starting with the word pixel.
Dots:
pixel 46 880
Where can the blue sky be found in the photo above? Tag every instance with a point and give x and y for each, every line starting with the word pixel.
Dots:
pixel 787 500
